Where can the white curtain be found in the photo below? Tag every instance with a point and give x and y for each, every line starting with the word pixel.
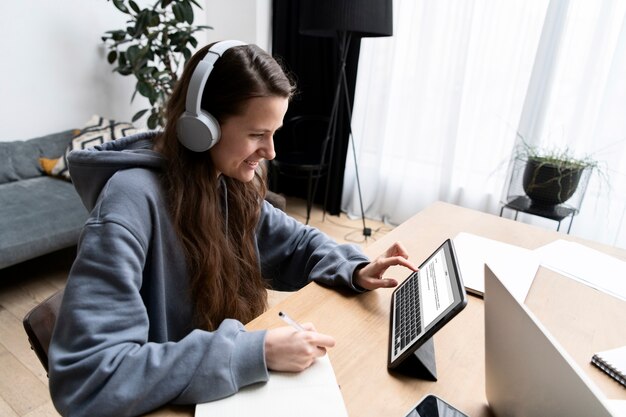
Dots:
pixel 583 108
pixel 438 106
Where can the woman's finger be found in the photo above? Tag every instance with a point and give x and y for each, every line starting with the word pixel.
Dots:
pixel 397 249
pixel 321 340
pixel 375 283
pixel 384 263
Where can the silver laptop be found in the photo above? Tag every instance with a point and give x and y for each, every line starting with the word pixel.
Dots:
pixel 527 372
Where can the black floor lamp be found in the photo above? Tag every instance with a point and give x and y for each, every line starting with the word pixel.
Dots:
pixel 345 20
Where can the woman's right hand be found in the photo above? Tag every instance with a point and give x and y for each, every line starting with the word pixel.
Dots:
pixel 287 349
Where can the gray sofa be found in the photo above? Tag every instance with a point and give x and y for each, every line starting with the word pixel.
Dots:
pixel 40 214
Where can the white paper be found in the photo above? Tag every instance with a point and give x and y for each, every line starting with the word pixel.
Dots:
pixel 589 266
pixel 515 266
pixel 311 393
pixel 618 407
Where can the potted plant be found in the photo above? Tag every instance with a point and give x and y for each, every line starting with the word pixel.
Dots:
pixel 153 47
pixel 549 177
pixel 552 177
pixel 548 182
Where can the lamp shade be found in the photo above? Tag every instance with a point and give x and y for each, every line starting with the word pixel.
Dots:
pixel 364 18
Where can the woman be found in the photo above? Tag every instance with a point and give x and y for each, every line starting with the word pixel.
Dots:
pixel 180 248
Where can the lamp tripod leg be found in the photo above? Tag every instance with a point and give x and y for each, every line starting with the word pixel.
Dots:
pixel 330 139
pixel 342 84
pixel 366 230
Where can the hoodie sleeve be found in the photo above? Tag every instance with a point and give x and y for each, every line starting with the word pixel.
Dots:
pixel 101 360
pixel 293 254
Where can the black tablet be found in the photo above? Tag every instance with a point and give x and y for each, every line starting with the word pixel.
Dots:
pixel 424 303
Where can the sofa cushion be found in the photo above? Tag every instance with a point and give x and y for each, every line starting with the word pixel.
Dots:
pixel 96 131
pixel 38 216
pixel 19 159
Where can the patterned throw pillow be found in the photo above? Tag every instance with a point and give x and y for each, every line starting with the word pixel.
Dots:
pixel 97 131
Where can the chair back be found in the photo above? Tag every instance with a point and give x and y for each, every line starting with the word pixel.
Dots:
pixel 301 153
pixel 303 142
pixel 39 323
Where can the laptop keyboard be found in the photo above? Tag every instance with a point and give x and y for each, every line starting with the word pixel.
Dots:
pixel 408 322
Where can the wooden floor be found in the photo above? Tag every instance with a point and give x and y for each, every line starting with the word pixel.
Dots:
pixel 23 381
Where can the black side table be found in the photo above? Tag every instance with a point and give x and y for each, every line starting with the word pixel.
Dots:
pixel 556 213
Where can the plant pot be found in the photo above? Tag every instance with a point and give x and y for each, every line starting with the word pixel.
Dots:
pixel 548 184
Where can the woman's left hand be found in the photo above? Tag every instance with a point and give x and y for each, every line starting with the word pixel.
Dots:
pixel 370 277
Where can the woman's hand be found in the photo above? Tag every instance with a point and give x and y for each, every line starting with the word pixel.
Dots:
pixel 370 276
pixel 287 349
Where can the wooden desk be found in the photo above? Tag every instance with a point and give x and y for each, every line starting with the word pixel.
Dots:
pixel 582 319
pixel 576 314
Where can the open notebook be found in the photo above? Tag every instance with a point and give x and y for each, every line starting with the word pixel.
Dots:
pixel 311 393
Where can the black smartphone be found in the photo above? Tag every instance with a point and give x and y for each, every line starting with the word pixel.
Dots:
pixel 433 406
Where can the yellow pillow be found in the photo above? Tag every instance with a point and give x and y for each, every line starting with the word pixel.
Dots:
pixel 47 164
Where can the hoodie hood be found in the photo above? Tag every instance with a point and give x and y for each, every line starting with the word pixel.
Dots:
pixel 91 168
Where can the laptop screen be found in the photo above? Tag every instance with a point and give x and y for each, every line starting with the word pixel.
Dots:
pixel 527 372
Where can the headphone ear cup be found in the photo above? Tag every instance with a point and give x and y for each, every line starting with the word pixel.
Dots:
pixel 198 130
pixel 198 133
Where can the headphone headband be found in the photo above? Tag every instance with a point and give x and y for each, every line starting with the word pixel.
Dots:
pixel 198 130
pixel 201 74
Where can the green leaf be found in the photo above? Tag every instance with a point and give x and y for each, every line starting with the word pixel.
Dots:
pixel 132 54
pixel 154 19
pixel 140 64
pixel 165 3
pixel 141 23
pixel 120 6
pixel 124 70
pixel 175 37
pixel 134 6
pixel 118 35
pixel 196 3
pixel 178 12
pixel 138 115
pixel 146 71
pixel 112 56
pixel 144 89
pixel 187 12
pixel 153 121
pixel 154 96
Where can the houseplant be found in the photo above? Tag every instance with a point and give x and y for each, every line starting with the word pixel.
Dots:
pixel 153 48
pixel 552 176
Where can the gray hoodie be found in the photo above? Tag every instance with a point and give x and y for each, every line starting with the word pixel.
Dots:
pixel 124 343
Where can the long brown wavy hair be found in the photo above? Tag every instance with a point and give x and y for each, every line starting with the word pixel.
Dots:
pixel 225 276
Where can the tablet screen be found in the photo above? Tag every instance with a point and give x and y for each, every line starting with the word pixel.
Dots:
pixel 435 287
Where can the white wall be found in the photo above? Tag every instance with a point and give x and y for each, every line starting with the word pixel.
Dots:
pixel 53 69
pixel 246 20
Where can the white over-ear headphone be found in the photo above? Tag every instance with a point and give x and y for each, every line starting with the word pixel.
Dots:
pixel 197 129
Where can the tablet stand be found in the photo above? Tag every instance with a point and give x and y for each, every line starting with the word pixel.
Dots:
pixel 421 363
